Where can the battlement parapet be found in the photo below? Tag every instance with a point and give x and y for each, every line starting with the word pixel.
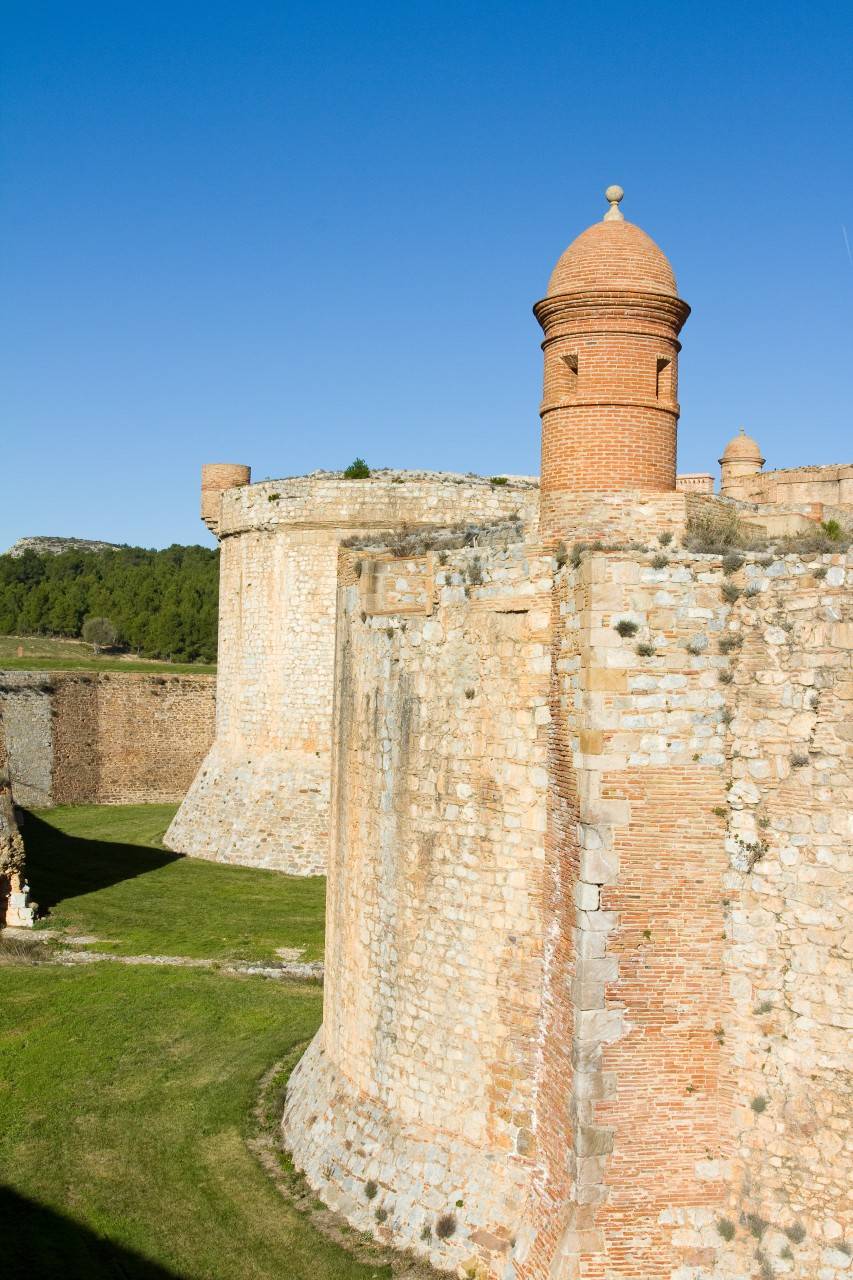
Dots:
pixel 830 486
pixel 385 499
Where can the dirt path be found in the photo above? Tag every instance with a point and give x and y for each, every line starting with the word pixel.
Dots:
pixel 65 950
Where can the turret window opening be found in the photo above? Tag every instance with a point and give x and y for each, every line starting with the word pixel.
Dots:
pixel 663 380
pixel 567 373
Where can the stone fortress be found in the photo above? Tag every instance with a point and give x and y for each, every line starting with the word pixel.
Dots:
pixel 584 794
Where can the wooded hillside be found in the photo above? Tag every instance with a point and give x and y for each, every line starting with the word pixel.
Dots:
pixel 164 603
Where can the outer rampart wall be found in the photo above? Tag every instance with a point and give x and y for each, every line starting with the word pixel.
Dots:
pixel 666 973
pixel 788 903
pixel 435 946
pixel 262 795
pixel 831 486
pixel 102 738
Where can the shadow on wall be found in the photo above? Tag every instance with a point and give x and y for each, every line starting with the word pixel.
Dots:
pixel 41 1244
pixel 61 866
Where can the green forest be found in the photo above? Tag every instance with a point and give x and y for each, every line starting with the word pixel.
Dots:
pixel 164 604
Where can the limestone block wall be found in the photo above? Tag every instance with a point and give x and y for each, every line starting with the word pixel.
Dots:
pixel 423 1078
pixel 626 1052
pixel 262 795
pixel 78 737
pixel 789 837
pixel 830 486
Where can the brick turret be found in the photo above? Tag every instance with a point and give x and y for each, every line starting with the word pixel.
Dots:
pixel 611 319
pixel 216 477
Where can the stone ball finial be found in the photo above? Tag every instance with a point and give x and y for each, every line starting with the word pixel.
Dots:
pixel 613 195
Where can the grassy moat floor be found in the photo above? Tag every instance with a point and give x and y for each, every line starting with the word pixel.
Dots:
pixel 128 1093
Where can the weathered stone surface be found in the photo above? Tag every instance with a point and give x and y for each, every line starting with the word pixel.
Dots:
pixel 78 737
pixel 261 797
pixel 588 1007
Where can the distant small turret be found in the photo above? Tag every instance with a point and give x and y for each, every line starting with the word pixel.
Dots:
pixel 215 478
pixel 741 459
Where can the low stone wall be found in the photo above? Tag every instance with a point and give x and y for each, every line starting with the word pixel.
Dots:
pixel 78 737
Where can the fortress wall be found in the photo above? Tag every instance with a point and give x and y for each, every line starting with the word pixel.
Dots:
pixel 586 1068
pixel 423 1077
pixel 832 486
pixel 261 797
pixel 549 1210
pixel 103 738
pixel 694 984
pixel 26 707
pixel 15 910
pixel 788 954
pixel 637 768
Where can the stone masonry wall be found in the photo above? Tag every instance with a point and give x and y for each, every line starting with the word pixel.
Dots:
pixel 621 1041
pixel 103 738
pixel 262 795
pixel 423 1077
pixel 829 486
pixel 14 905
pixel 635 904
pixel 707 1094
pixel 789 837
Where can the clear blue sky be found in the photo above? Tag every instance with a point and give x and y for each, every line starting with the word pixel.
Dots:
pixel 286 234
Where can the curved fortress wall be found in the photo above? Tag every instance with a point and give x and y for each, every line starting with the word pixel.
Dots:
pixel 423 1078
pixel 585 964
pixel 261 797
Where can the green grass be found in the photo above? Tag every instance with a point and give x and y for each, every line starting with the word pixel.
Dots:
pixel 101 869
pixel 124 1104
pixel 50 653
pixel 126 1093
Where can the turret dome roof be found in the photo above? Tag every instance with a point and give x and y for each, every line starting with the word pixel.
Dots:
pixel 613 254
pixel 742 448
